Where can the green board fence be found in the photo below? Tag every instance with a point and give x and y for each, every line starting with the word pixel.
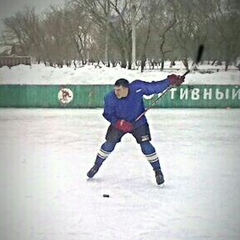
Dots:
pixel 91 96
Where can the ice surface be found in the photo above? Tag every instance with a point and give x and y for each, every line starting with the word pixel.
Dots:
pixel 45 195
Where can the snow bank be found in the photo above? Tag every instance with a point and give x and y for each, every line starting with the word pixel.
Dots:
pixel 90 74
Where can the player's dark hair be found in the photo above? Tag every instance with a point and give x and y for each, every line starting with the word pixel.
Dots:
pixel 121 82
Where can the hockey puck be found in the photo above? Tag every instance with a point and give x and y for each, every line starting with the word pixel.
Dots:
pixel 106 195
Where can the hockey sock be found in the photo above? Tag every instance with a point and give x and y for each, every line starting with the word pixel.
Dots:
pixel 104 152
pixel 151 155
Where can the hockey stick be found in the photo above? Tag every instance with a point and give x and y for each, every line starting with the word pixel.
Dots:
pixel 198 59
pixel 143 113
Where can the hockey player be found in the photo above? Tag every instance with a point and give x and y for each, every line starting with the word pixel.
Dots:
pixel 122 107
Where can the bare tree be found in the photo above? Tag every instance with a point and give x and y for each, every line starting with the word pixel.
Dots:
pixel 114 19
pixel 189 30
pixel 21 31
pixel 148 14
pixel 224 39
pixel 163 24
pixel 80 30
pixel 102 29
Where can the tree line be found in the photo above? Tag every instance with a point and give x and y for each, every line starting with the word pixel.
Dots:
pixel 101 30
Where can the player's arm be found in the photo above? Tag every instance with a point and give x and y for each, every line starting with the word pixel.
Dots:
pixel 155 87
pixel 109 111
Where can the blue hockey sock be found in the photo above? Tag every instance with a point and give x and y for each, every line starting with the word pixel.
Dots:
pixel 151 155
pixel 104 152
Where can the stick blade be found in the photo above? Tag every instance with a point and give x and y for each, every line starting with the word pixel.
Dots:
pixel 200 53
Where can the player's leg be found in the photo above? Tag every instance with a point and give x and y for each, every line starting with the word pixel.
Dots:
pixel 113 136
pixel 151 155
pixel 143 137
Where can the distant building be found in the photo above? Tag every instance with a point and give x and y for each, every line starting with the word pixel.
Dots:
pixel 10 58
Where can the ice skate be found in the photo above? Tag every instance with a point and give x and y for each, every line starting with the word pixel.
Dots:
pixel 93 171
pixel 159 177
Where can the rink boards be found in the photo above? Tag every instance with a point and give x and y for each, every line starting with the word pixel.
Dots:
pixel 92 96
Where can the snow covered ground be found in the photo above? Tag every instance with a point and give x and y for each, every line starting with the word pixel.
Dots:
pixel 45 195
pixel 39 74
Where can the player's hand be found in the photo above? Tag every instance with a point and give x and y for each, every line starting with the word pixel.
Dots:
pixel 176 80
pixel 124 126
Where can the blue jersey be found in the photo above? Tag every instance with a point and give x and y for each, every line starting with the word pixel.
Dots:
pixel 130 107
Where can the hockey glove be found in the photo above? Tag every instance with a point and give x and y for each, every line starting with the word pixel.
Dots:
pixel 176 80
pixel 124 126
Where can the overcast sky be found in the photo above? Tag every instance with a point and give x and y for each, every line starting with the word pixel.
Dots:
pixel 9 7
